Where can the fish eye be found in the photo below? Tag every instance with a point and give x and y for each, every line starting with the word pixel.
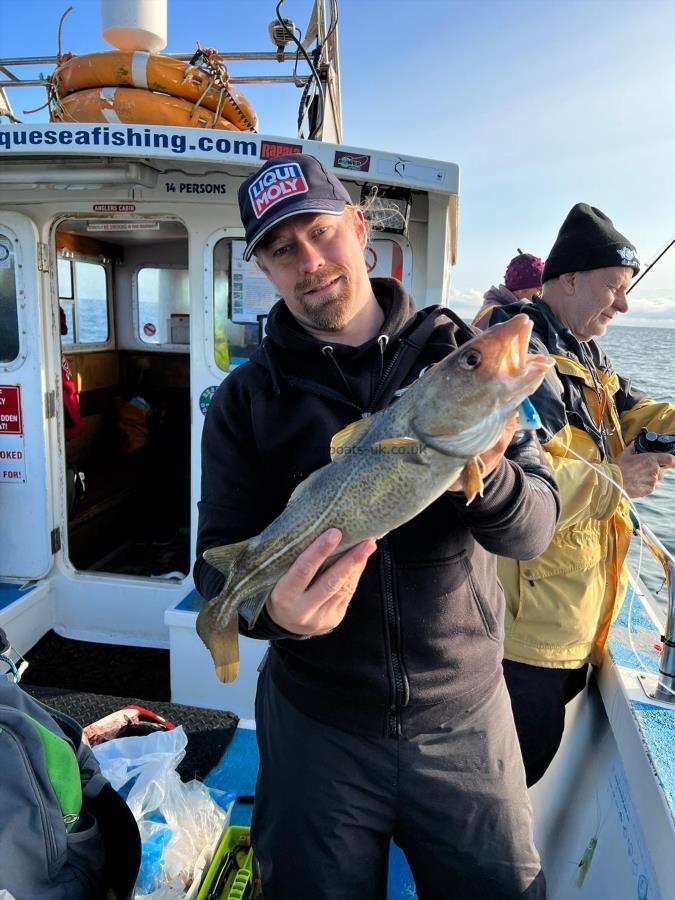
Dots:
pixel 471 359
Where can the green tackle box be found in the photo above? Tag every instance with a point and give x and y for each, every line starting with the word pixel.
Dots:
pixel 237 881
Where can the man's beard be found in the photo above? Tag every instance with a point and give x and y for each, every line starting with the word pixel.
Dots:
pixel 331 311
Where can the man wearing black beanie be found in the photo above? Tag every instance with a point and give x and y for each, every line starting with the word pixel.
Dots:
pixel 559 606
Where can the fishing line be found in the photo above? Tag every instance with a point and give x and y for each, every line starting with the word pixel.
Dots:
pixel 643 668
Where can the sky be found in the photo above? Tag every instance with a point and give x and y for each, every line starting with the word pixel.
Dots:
pixel 541 103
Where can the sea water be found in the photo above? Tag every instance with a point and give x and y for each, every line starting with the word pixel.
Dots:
pixel 647 357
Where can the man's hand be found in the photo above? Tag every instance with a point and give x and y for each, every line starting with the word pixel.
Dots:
pixel 492 457
pixel 320 608
pixel 641 472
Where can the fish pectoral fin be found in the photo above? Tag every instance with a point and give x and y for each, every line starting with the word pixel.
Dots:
pixel 223 558
pixel 221 640
pixel 349 436
pixel 472 478
pixel 250 608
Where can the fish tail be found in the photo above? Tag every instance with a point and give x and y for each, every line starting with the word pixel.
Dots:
pixel 222 640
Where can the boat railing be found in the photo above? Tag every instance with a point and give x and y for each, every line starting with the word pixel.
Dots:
pixel 320 44
pixel 665 686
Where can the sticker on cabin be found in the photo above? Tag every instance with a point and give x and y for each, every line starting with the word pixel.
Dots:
pixel 380 262
pixel 357 162
pixel 272 149
pixel 12 458
pixel 412 171
pixel 5 255
pixel 274 185
pixel 12 454
pixel 206 397
pixel 114 207
pixel 149 329
pixel 123 226
pixel 10 409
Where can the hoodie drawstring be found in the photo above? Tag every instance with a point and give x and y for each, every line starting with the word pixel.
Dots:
pixel 382 342
pixel 327 351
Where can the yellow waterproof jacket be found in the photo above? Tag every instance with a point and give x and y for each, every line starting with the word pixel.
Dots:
pixel 559 606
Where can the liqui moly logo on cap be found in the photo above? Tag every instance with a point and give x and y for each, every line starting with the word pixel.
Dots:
pixel 275 184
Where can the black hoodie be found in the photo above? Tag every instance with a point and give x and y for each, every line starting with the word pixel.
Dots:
pixel 422 637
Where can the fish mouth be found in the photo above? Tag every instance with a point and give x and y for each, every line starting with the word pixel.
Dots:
pixel 517 369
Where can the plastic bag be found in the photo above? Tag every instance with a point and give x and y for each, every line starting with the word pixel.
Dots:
pixel 180 823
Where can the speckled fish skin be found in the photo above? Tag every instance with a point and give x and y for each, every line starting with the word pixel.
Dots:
pixel 401 460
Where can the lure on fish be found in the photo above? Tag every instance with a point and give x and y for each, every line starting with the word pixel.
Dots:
pixel 528 417
pixel 384 471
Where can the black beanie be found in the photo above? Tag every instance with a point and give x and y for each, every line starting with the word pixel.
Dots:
pixel 588 240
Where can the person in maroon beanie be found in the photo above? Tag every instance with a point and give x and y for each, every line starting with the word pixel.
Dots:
pixel 522 281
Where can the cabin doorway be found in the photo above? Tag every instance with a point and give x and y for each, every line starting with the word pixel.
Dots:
pixel 124 307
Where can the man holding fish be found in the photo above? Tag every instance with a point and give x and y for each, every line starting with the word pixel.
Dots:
pixel 363 553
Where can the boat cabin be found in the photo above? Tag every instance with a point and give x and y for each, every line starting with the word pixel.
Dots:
pixel 142 258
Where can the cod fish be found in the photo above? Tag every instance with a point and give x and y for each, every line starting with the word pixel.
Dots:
pixel 384 470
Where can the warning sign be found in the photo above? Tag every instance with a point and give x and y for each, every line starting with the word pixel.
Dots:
pixel 12 458
pixel 10 409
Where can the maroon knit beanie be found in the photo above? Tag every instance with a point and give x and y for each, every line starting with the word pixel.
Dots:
pixel 523 272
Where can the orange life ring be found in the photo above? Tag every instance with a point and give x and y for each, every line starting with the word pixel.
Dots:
pixel 134 106
pixel 148 71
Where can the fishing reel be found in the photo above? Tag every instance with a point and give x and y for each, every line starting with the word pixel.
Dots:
pixel 651 442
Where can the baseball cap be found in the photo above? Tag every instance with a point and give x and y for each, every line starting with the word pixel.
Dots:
pixel 287 186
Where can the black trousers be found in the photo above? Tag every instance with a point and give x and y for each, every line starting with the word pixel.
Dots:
pixel 538 700
pixel 328 803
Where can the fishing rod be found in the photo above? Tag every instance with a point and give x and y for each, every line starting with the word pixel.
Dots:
pixel 650 266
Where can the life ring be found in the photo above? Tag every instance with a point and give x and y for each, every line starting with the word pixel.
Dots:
pixel 149 71
pixel 134 106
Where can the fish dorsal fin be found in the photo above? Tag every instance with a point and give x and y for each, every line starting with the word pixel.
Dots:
pixel 223 558
pixel 349 436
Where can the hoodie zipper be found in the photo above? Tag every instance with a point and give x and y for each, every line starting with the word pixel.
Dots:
pixel 50 837
pixel 400 693
pixel 379 390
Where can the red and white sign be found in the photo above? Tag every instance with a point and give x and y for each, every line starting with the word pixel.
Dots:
pixel 10 409
pixel 12 458
pixel 272 149
pixel 149 329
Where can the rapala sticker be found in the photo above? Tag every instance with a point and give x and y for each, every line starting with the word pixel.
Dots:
pixel 274 185
pixel 272 149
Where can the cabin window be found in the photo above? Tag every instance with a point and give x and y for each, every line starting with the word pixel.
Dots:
pixel 83 296
pixel 242 299
pixel 163 305
pixel 9 321
pixel 384 258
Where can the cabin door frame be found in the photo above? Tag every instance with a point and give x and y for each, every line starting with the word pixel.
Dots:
pixel 29 539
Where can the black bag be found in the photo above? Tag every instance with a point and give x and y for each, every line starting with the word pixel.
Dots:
pixel 65 833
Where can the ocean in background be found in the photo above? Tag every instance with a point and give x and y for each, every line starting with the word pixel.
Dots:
pixel 647 357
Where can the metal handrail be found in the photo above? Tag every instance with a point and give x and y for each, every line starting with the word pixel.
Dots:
pixel 298 80
pixel 665 688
